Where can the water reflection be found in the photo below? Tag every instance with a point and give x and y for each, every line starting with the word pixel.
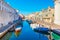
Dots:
pixel 28 34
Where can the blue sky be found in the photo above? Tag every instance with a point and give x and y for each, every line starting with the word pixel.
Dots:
pixel 28 6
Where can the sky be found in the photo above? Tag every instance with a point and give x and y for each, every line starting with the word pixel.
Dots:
pixel 26 7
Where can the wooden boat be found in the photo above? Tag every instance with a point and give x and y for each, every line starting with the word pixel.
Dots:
pixel 33 26
pixel 29 21
pixel 18 30
pixel 56 34
pixel 42 30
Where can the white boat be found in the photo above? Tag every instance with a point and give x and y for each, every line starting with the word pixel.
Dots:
pixel 34 26
pixel 19 28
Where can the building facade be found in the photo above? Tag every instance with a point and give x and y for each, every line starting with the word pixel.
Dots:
pixel 57 12
pixel 46 15
pixel 7 13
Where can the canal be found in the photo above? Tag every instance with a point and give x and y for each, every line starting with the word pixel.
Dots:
pixel 26 34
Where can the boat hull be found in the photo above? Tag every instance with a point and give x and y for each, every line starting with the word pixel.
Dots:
pixel 55 36
pixel 17 31
pixel 42 30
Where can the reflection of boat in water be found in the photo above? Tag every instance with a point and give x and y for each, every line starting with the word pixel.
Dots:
pixel 18 30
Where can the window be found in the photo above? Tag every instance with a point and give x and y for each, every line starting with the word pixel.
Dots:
pixel 53 15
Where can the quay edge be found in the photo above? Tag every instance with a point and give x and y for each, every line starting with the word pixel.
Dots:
pixel 5 31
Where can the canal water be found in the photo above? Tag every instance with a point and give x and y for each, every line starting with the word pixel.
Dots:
pixel 27 34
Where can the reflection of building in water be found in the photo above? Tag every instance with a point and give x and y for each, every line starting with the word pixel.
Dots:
pixel 7 13
pixel 57 12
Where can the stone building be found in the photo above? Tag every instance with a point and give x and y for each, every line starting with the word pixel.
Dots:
pixel 57 12
pixel 48 15
pixel 7 13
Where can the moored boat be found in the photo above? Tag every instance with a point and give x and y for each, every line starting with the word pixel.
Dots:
pixel 29 21
pixel 56 34
pixel 40 29
pixel 33 26
pixel 18 30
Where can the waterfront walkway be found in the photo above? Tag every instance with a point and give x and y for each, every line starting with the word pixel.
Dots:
pixel 5 29
pixel 54 28
pixel 51 26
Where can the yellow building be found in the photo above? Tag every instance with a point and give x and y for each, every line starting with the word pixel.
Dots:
pixel 30 16
pixel 48 15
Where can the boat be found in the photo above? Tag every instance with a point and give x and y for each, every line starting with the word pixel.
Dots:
pixel 18 30
pixel 56 34
pixel 40 29
pixel 29 21
pixel 33 26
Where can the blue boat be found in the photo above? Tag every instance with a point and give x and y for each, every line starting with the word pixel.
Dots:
pixel 42 30
pixel 29 21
